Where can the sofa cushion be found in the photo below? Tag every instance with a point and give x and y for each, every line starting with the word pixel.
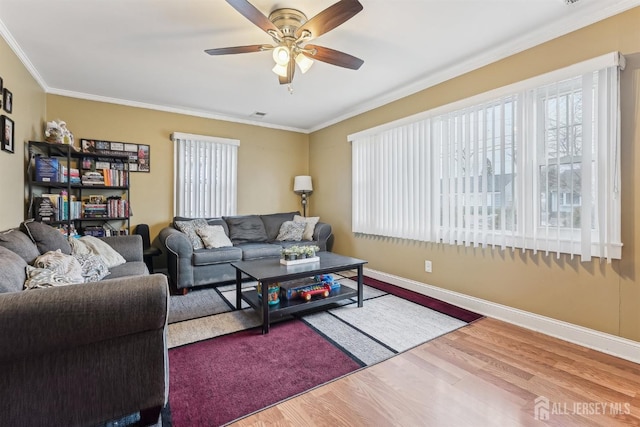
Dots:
pixel 87 245
pixel 310 222
pixel 219 221
pixel 213 236
pixel 189 228
pixel 19 243
pixel 12 271
pixel 273 222
pixel 216 256
pixel 291 231
pixel 260 250
pixel 131 268
pixel 46 237
pixel 246 228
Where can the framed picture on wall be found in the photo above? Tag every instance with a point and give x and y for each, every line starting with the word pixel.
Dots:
pixel 6 125
pixel 1 91
pixel 7 100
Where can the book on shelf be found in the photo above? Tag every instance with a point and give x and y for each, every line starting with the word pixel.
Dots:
pixel 64 174
pixel 104 231
pixel 56 207
pixel 46 169
pixel 44 210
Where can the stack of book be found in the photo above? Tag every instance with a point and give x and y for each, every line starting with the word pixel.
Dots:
pixel 64 175
pixel 95 210
pixel 92 178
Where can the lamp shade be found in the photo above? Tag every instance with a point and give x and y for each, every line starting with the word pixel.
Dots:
pixel 302 184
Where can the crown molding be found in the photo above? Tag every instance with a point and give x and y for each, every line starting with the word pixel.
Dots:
pixel 6 35
pixel 580 20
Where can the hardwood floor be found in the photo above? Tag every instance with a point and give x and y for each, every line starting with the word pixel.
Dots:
pixel 489 373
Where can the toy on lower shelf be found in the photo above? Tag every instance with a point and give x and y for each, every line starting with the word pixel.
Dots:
pixel 329 280
pixel 323 290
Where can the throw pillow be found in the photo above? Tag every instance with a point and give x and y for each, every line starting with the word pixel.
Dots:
pixel 18 242
pixel 46 237
pixel 273 222
pixel 291 231
pixel 93 245
pixel 93 267
pixel 12 271
pixel 60 264
pixel 45 278
pixel 246 229
pixel 310 225
pixel 213 236
pixel 189 228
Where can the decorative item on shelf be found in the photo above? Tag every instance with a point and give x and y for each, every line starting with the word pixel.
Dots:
pixel 302 185
pixel 56 131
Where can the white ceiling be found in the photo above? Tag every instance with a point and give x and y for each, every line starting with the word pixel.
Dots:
pixel 150 53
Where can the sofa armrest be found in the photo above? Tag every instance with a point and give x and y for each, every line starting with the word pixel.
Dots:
pixel 37 322
pixel 130 247
pixel 176 241
pixel 321 234
pixel 179 256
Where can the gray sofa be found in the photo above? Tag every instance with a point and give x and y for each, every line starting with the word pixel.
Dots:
pixel 81 354
pixel 253 237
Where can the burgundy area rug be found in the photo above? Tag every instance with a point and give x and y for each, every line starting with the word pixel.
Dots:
pixel 426 301
pixel 215 381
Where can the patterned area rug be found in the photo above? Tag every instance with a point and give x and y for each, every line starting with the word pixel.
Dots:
pixel 222 367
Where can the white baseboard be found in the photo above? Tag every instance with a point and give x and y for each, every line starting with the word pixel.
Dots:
pixel 606 343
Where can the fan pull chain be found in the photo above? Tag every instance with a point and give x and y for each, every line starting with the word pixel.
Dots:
pixel 290 89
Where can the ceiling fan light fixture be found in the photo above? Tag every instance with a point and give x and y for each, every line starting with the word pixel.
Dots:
pixel 280 70
pixel 281 55
pixel 303 62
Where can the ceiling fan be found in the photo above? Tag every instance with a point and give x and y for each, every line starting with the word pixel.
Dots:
pixel 291 30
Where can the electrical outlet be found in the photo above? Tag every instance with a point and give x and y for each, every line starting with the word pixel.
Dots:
pixel 427 266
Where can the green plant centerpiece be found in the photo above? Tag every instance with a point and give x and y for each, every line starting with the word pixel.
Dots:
pixel 299 252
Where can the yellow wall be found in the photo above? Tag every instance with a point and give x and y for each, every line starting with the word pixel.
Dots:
pixel 595 295
pixel 601 296
pixel 28 112
pixel 268 159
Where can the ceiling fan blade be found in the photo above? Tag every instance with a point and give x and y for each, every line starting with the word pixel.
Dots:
pixel 291 69
pixel 250 12
pixel 330 18
pixel 238 49
pixel 334 57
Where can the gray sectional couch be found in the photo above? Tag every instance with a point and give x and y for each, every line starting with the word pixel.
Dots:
pixel 80 354
pixel 252 236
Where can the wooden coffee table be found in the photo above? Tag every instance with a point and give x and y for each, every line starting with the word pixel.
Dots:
pixel 270 270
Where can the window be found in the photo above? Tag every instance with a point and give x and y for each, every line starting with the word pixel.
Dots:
pixel 534 165
pixel 205 175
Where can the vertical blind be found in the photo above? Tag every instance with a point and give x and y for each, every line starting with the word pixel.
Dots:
pixel 534 165
pixel 205 175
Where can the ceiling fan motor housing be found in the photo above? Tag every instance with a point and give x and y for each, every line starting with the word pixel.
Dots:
pixel 288 21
